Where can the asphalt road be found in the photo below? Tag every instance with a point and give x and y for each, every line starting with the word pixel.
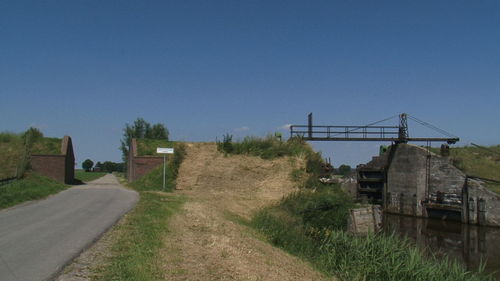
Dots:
pixel 38 239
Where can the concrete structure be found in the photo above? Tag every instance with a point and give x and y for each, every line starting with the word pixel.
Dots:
pixel 138 166
pixel 60 167
pixel 364 220
pixel 410 180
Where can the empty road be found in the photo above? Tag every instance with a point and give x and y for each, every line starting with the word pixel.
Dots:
pixel 38 239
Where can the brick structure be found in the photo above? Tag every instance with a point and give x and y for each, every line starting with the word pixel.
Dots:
pixel 60 167
pixel 138 166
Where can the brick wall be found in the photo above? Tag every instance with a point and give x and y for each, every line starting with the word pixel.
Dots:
pixel 58 167
pixel 138 166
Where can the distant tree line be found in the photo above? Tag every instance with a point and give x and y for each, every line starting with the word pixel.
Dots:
pixel 344 170
pixel 107 166
pixel 110 167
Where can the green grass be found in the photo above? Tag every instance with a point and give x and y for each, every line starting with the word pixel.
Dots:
pixel 478 162
pixel 32 187
pixel 266 148
pixel 50 146
pixel 135 252
pixel 154 179
pixel 312 225
pixel 88 176
pixel 475 161
pixel 12 150
pixel 147 147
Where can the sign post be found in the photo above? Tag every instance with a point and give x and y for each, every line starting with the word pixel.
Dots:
pixel 164 151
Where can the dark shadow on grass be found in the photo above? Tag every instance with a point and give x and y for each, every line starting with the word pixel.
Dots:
pixel 77 182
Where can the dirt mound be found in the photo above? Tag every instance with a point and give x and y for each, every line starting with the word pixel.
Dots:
pixel 206 242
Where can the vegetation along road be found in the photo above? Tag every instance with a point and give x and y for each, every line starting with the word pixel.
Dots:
pixel 38 239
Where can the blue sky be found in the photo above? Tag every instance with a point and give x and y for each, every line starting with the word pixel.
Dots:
pixel 206 68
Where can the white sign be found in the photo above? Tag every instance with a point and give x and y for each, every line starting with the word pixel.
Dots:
pixel 164 150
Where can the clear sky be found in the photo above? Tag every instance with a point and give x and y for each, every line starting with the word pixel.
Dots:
pixel 206 68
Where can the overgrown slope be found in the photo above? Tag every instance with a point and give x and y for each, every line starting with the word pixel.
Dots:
pixel 475 161
pixel 210 239
pixel 12 150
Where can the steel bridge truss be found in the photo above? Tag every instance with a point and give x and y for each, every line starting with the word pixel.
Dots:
pixel 397 134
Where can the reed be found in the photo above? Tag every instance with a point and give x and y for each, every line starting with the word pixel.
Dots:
pixel 311 224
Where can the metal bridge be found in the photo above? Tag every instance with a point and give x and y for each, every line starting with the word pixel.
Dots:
pixel 371 132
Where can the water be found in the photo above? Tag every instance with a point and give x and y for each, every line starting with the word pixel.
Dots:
pixel 469 244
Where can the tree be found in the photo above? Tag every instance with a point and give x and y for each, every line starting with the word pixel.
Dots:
pixel 87 165
pixel 141 129
pixel 344 169
pixel 33 134
pixel 110 167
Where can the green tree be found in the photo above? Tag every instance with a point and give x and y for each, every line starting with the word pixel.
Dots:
pixel 33 134
pixel 87 165
pixel 344 169
pixel 141 129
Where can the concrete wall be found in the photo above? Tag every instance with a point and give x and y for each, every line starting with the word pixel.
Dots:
pixel 138 166
pixel 58 167
pixel 412 189
pixel 482 206
pixel 364 220
pixel 406 180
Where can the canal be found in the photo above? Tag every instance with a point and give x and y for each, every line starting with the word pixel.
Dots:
pixel 468 244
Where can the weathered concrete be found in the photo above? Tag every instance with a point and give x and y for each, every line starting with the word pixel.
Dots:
pixel 421 183
pixel 365 220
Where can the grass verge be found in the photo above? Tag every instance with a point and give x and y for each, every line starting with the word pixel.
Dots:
pixel 135 252
pixel 88 176
pixel 32 187
pixel 311 225
pixel 154 179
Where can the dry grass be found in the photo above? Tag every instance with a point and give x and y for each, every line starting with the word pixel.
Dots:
pixel 209 238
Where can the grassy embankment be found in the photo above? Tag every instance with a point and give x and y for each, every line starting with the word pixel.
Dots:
pixel 81 175
pixel 311 224
pixel 12 149
pixel 478 162
pixel 31 186
pixel 135 250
